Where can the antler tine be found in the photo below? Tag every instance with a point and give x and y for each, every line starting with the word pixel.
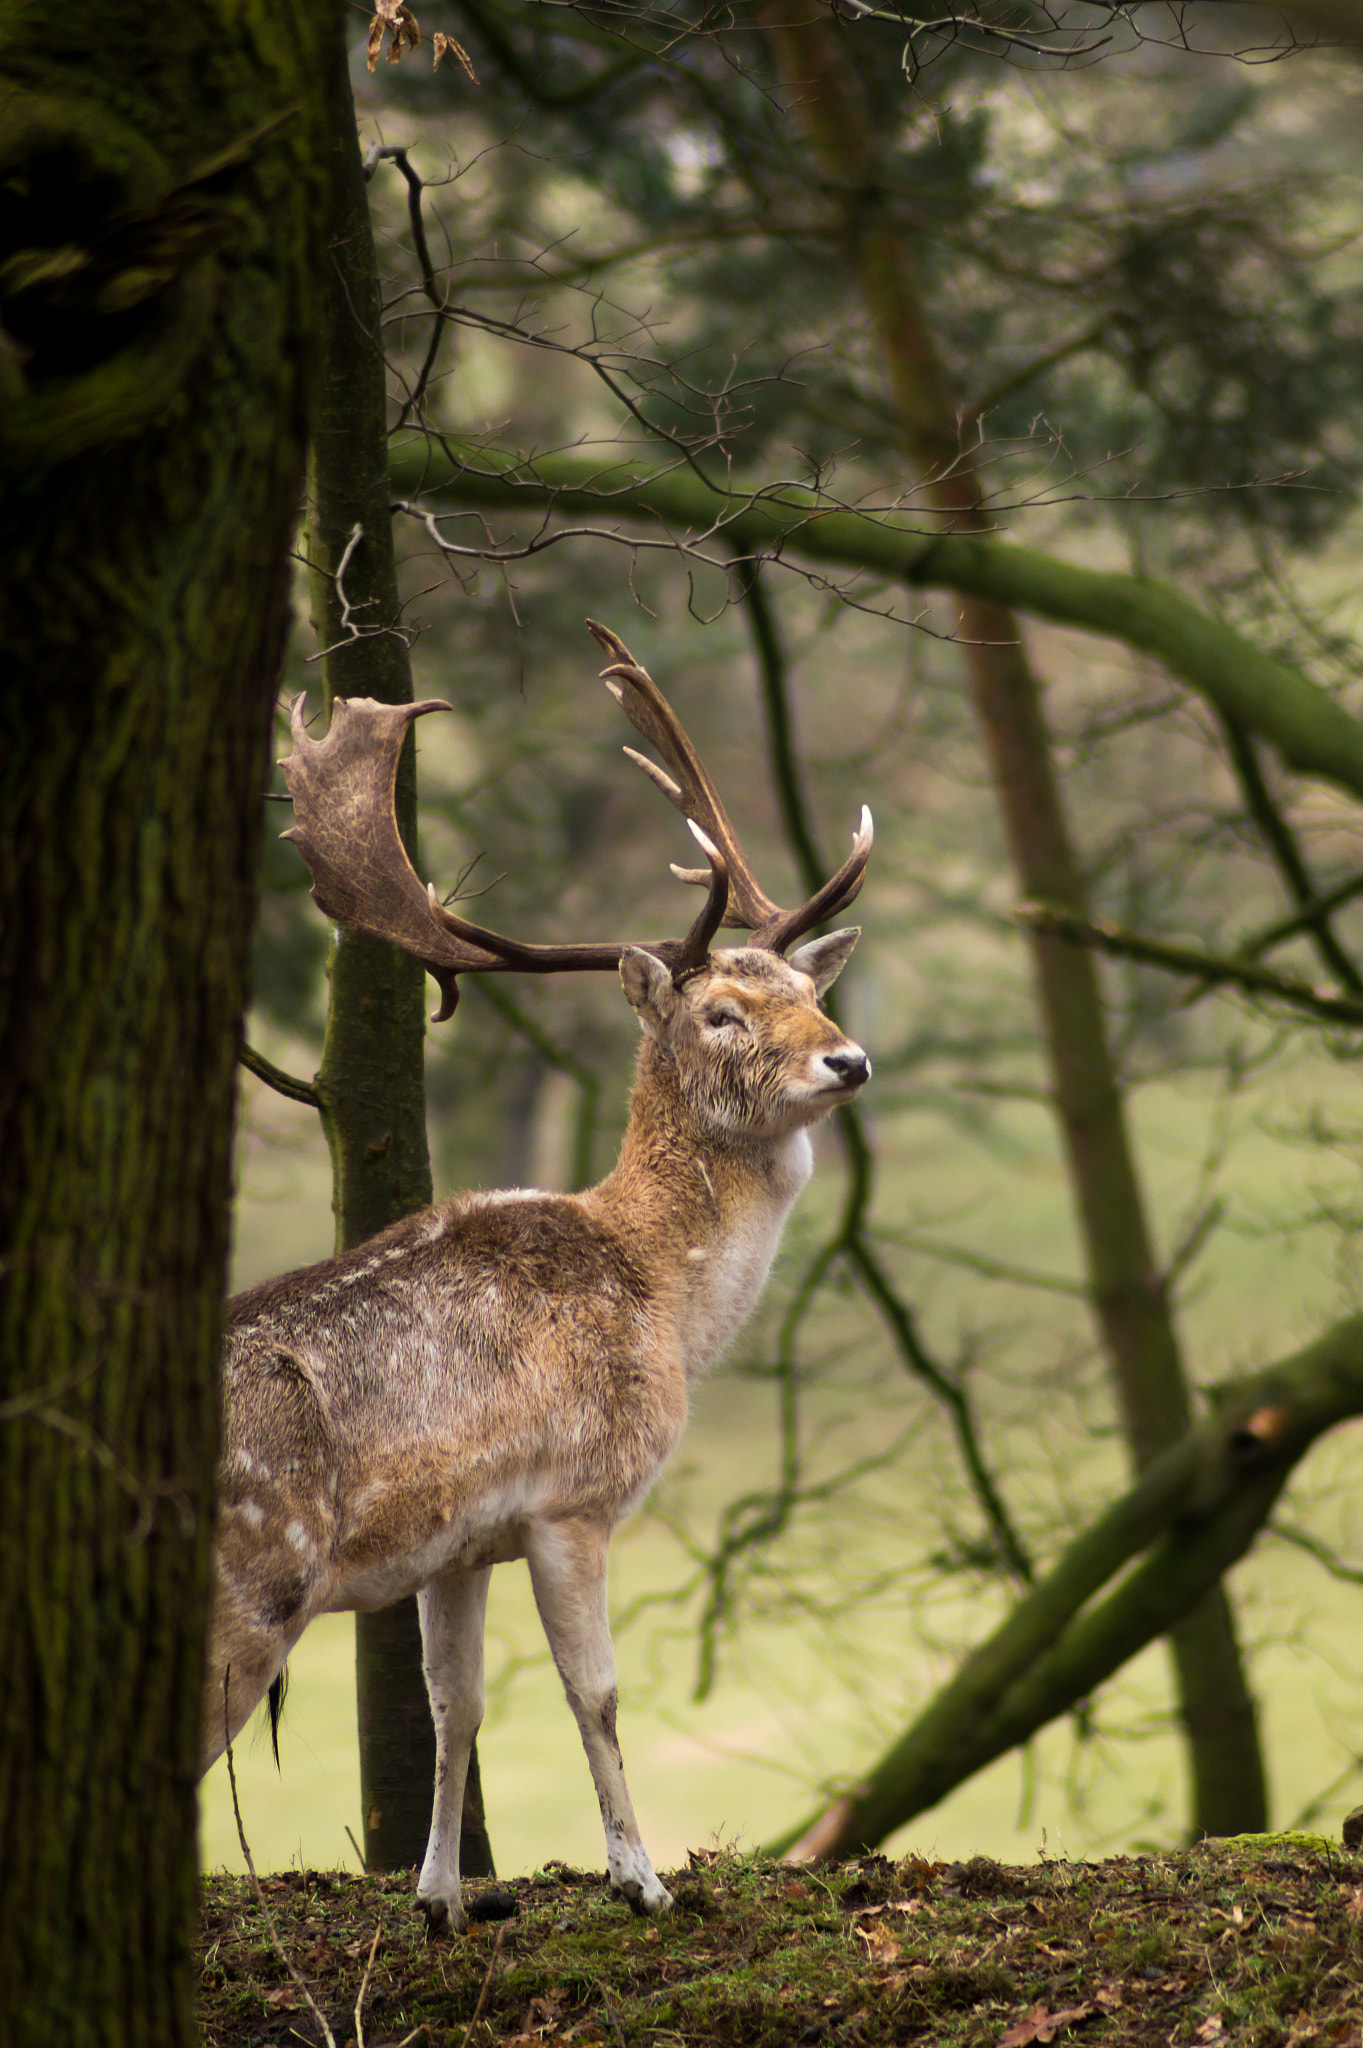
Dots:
pixel 693 951
pixel 837 893
pixel 695 796
pixel 692 793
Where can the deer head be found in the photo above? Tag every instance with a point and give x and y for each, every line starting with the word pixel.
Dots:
pixel 345 828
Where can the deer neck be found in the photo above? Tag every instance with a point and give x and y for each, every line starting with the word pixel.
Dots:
pixel 706 1207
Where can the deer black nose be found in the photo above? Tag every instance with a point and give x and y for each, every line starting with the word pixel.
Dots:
pixel 851 1068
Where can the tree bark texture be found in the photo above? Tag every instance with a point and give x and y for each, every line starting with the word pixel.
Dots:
pixel 1125 1284
pixel 160 293
pixel 371 1079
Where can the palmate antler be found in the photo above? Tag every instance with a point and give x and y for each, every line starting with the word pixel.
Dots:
pixel 346 829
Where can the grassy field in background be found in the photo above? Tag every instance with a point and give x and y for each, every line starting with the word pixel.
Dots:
pixel 746 1762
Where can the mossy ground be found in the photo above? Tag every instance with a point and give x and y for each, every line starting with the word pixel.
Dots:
pixel 1258 1943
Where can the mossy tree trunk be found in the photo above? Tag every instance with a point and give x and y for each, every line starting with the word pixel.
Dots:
pixel 1130 1302
pixel 160 291
pixel 371 1080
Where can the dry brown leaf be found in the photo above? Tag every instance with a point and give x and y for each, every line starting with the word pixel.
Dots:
pixel 396 19
pixel 1212 2029
pixel 1024 2031
pixel 450 46
pixel 1041 2025
pixel 881 1945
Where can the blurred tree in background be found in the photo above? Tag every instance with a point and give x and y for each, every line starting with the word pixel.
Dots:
pixel 790 266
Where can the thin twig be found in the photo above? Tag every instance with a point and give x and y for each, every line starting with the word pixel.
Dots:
pixel 364 1987
pixel 1285 928
pixel 1334 1564
pixel 259 1889
pixel 487 1986
pixel 1278 836
pixel 397 153
pixel 1232 969
pixel 275 1077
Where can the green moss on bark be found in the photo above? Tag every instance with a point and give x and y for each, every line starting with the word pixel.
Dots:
pixel 142 607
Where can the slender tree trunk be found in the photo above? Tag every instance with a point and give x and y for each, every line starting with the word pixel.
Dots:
pixel 150 460
pixel 1127 1289
pixel 370 1080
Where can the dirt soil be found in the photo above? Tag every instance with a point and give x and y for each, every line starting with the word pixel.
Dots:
pixel 1257 1942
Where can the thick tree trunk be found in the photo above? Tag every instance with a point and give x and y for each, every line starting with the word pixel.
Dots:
pixel 1227 1791
pixel 151 453
pixel 371 1080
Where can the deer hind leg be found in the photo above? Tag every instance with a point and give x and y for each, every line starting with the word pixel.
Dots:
pixel 452 1610
pixel 568 1572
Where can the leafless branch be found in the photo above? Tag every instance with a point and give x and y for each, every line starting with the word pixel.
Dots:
pixel 1232 970
pixel 275 1077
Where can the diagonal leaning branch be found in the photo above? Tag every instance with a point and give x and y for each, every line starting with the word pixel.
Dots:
pixel 1194 1512
pixel 1311 732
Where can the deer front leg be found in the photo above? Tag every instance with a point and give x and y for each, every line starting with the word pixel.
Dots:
pixel 452 1608
pixel 568 1572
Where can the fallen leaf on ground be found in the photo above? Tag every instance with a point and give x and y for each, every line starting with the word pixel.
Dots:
pixel 1042 2025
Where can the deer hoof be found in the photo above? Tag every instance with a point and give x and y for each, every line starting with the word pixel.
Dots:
pixel 443 1916
pixel 643 1897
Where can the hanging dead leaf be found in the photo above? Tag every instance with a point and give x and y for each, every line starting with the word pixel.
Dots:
pixel 396 20
pixel 450 46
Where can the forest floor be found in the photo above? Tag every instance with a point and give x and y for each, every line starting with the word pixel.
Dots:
pixel 1257 1941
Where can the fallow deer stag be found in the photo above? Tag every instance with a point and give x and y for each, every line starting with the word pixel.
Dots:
pixel 503 1375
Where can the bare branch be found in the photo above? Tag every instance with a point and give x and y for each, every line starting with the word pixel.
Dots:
pixel 1212 968
pixel 275 1077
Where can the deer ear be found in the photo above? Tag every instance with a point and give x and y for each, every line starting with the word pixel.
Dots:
pixel 649 989
pixel 824 959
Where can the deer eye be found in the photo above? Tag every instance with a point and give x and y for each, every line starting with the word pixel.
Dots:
pixel 726 1013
